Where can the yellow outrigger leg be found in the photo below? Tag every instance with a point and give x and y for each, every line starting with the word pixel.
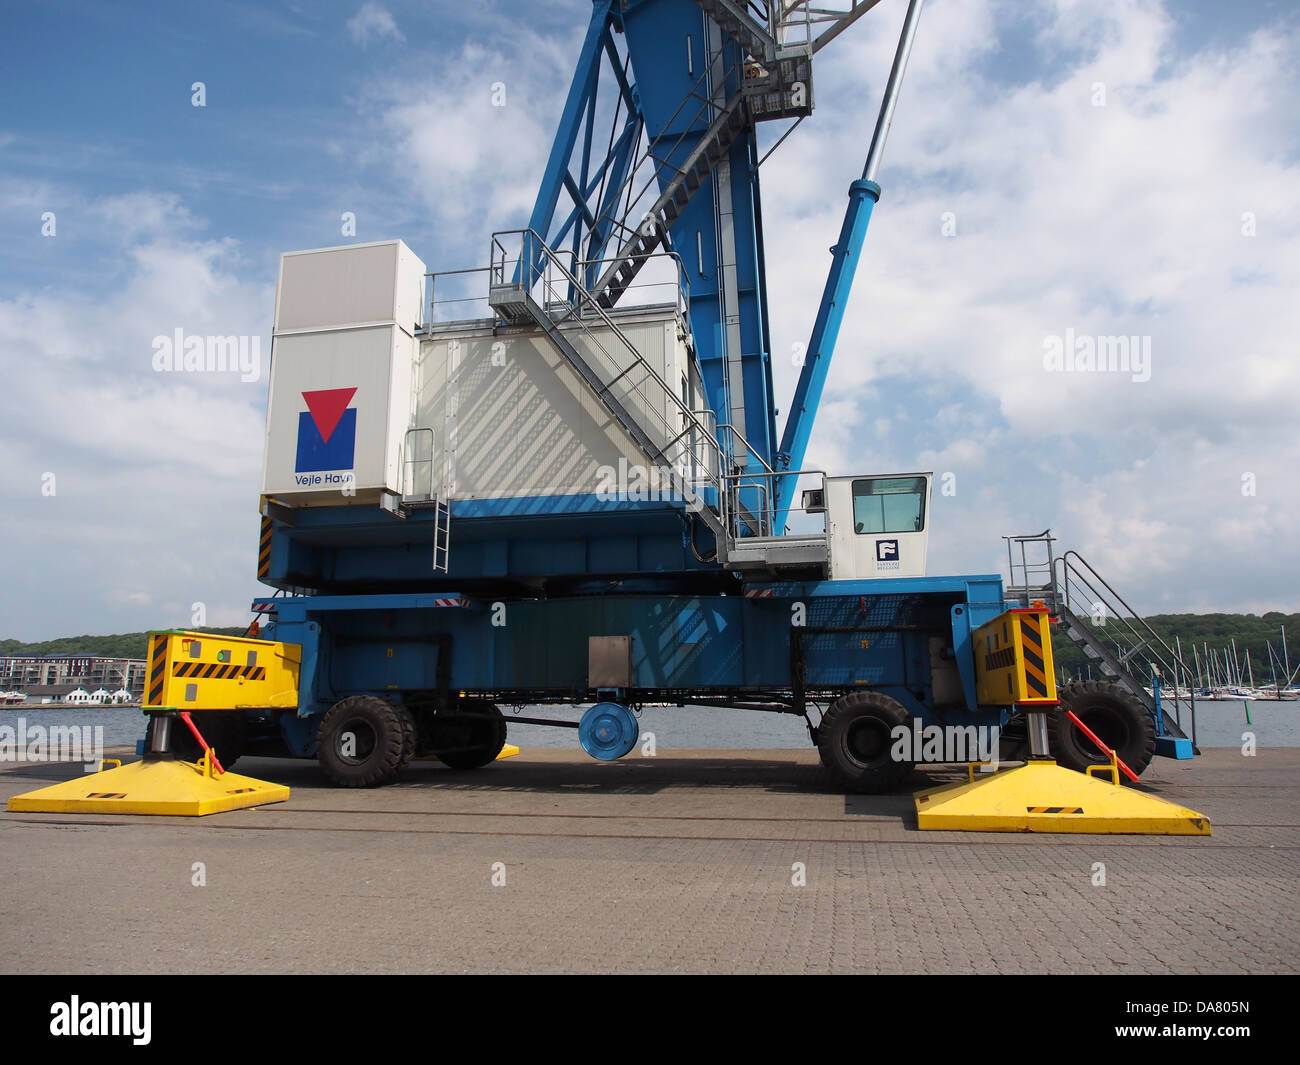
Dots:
pixel 187 671
pixel 1014 667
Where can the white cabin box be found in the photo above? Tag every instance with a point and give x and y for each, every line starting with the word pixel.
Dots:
pixel 342 358
pixel 878 526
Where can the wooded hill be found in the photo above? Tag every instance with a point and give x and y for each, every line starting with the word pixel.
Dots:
pixel 120 645
pixel 1252 632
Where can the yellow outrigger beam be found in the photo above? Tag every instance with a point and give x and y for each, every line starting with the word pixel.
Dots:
pixel 187 671
pixel 202 671
pixel 1013 667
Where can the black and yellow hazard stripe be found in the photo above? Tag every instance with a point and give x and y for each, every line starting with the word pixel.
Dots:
pixel 1055 809
pixel 217 671
pixel 157 668
pixel 1031 639
pixel 264 549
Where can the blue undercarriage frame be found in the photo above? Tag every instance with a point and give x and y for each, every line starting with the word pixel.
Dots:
pixel 785 644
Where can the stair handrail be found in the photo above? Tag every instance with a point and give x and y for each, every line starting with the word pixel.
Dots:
pixel 761 479
pixel 1084 573
pixel 734 104
pixel 536 250
pixel 661 161
pixel 683 298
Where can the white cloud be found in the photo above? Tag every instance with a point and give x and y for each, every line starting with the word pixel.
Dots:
pixel 474 135
pixel 1115 220
pixel 373 23
pixel 1122 219
pixel 155 474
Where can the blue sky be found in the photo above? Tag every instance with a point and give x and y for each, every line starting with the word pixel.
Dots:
pixel 1124 218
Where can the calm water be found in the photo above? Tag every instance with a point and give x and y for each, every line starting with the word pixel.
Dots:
pixel 1217 725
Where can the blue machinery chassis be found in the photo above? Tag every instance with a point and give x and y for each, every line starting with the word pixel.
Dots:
pixel 777 646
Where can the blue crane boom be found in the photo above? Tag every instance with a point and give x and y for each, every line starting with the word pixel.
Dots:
pixel 863 196
pixel 684 80
pixel 678 79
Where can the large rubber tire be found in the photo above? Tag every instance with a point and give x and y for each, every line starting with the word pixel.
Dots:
pixel 410 735
pixel 226 730
pixel 855 742
pixel 378 741
pixel 469 742
pixel 1117 718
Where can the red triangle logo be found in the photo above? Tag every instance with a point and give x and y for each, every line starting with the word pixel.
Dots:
pixel 327 407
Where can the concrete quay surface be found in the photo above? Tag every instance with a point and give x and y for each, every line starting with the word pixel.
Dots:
pixel 691 861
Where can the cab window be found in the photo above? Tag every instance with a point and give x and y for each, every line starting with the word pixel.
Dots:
pixel 888 505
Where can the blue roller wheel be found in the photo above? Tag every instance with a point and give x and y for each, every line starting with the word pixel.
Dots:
pixel 608 731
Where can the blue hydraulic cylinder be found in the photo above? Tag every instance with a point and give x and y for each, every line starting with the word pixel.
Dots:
pixel 863 195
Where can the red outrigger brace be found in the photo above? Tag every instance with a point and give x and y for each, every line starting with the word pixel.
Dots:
pixel 212 753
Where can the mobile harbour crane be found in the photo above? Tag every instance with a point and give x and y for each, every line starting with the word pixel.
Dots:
pixel 457 510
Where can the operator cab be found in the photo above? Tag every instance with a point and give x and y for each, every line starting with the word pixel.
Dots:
pixel 877 525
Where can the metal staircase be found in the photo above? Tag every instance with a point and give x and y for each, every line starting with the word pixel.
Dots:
pixel 652 234
pixel 680 445
pixel 1095 618
pixel 738 22
pixel 758 66
pixel 774 75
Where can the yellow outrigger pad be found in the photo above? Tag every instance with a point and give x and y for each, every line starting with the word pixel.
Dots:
pixel 154 786
pixel 507 751
pixel 1041 796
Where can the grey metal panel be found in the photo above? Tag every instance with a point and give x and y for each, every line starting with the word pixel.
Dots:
pixel 337 286
pixel 526 423
pixel 609 661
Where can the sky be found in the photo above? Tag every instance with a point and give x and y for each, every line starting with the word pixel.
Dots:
pixel 1058 171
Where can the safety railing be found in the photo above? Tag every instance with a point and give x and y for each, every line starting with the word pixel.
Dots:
pixel 1102 623
pixel 454 296
pixel 1152 669
pixel 1138 647
pixel 681 441
pixel 750 518
pixel 751 490
pixel 664 281
pixel 410 483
